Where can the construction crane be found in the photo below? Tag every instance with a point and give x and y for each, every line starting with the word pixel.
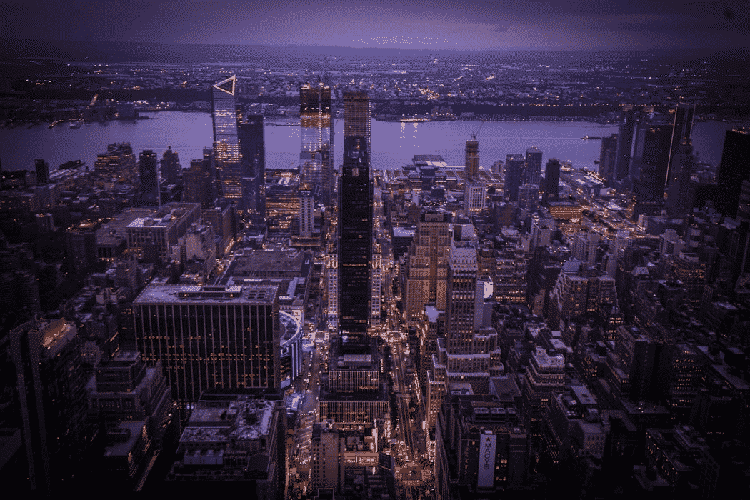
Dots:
pixel 475 134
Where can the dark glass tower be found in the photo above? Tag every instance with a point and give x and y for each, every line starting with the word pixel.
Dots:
pixel 148 178
pixel 514 170
pixel 624 145
pixel 253 158
pixel 651 161
pixel 533 166
pixel 316 155
pixel 355 217
pixel 226 142
pixel 42 172
pixel 170 166
pixel 552 180
pixel 733 169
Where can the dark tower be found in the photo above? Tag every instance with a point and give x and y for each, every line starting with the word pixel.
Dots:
pixel 552 180
pixel 514 168
pixel 651 161
pixel 733 169
pixel 148 178
pixel 170 166
pixel 355 217
pixel 533 166
pixel 42 172
pixel 624 145
pixel 607 159
pixel 253 158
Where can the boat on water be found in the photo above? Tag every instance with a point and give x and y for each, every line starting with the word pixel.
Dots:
pixel 592 137
pixel 75 124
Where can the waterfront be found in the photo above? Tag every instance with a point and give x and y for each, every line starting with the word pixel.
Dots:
pixel 393 143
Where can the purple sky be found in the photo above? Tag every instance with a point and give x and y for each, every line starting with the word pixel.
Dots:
pixel 510 24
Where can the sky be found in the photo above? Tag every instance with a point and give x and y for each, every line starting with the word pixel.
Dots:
pixel 415 24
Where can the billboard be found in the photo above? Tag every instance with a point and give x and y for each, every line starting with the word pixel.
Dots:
pixel 486 475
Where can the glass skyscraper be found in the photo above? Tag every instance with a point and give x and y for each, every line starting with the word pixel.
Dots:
pixel 316 155
pixel 226 142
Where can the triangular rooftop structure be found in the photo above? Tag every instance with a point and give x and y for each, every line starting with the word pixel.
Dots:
pixel 227 85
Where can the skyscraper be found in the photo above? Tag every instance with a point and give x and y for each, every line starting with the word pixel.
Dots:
pixel 552 180
pixel 355 216
pixel 733 170
pixel 170 166
pixel 316 155
pixel 533 166
pixel 253 158
pixel 149 178
pixel 42 172
pixel 682 127
pixel 650 160
pixel 624 145
pixel 226 141
pixel 514 167
pixel 472 159
pixel 608 158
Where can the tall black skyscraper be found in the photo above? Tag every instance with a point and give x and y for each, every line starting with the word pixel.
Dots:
pixel 650 160
pixel 514 171
pixel 253 154
pixel 607 159
pixel 624 145
pixel 733 169
pixel 148 178
pixel 533 171
pixel 42 172
pixel 552 180
pixel 355 216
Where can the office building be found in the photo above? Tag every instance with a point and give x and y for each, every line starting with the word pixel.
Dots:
pixel 226 141
pixel 210 338
pixel 253 157
pixel 552 180
pixel 316 155
pixel 198 183
pixel 232 443
pixel 117 163
pixel 150 235
pixel 650 162
pixel 355 217
pixel 514 172
pixel 733 170
pixel 682 127
pixel 533 172
pixel 149 179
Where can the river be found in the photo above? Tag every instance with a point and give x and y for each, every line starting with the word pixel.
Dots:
pixel 393 143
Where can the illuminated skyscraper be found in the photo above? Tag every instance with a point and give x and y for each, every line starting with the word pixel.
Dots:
pixel 355 216
pixel 316 156
pixel 226 142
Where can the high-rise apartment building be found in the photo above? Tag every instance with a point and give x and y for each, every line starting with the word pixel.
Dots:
pixel 211 337
pixel 226 141
pixel 355 216
pixel 316 156
pixel 149 178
